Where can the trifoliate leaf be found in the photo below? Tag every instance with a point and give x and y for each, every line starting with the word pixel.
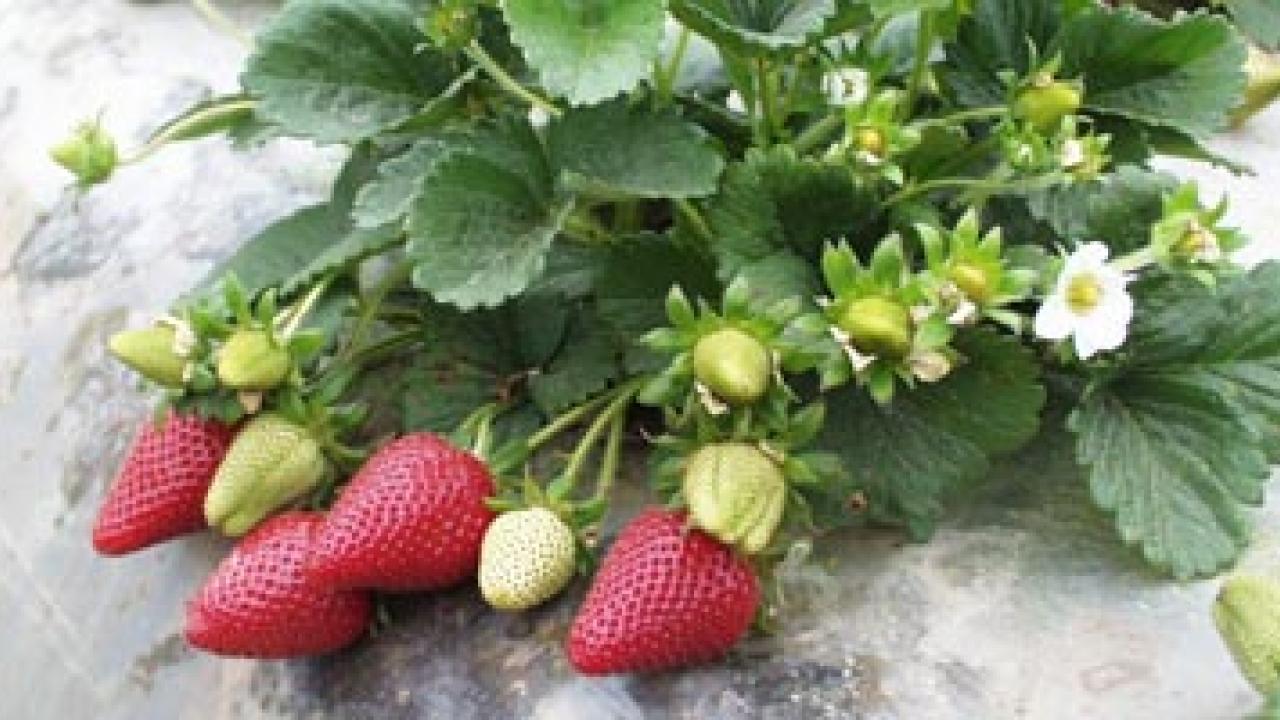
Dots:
pixel 1177 441
pixel 388 196
pixel 934 439
pixel 343 70
pixel 756 27
pixel 1186 73
pixel 998 37
pixel 485 220
pixel 611 150
pixel 587 51
pixel 1118 209
pixel 777 201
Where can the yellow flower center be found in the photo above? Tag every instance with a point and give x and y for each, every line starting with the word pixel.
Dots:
pixel 1084 292
pixel 871 140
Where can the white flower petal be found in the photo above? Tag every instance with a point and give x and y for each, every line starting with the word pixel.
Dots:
pixel 735 102
pixel 1089 256
pixel 1054 320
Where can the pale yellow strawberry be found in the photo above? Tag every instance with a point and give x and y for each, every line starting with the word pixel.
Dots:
pixel 527 558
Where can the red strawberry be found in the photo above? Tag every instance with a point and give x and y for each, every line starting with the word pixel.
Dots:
pixel 159 492
pixel 665 596
pixel 260 603
pixel 413 518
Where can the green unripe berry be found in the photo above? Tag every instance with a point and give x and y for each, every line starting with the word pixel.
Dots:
pixel 271 463
pixel 252 360
pixel 736 493
pixel 90 154
pixel 150 352
pixel 1247 613
pixel 734 366
pixel 1046 102
pixel 972 280
pixel 878 326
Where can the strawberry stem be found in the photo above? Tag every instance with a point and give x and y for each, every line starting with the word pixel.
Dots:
pixel 369 309
pixel 294 317
pixel 612 456
pixel 615 411
pixel 566 420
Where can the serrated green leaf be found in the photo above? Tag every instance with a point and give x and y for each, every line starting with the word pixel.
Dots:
pixel 585 364
pixel 781 276
pixel 1177 441
pixel 587 51
pixel 482 227
pixel 1118 209
pixel 343 70
pixel 389 195
pixel 1186 74
pixel 613 150
pixel 776 201
pixel 756 27
pixel 936 438
pixel 354 245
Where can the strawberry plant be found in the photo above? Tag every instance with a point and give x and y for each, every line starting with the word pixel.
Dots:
pixel 823 261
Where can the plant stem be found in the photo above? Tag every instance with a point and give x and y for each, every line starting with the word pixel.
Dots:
pixel 815 134
pixel 699 223
pixel 482 58
pixel 176 130
pixel 374 353
pixel 924 44
pixel 622 398
pixel 565 420
pixel 982 113
pixel 218 19
pixel 300 311
pixel 370 307
pixel 584 227
pixel 764 99
pixel 986 184
pixel 665 78
pixel 612 456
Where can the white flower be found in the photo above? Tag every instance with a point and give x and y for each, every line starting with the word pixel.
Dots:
pixel 1073 154
pixel 735 102
pixel 846 86
pixel 1089 303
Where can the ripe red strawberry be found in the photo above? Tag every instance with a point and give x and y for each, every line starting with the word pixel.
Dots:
pixel 159 491
pixel 413 518
pixel 665 596
pixel 260 603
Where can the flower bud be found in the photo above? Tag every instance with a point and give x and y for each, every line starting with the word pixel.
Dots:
pixel 735 493
pixel 878 326
pixel 734 366
pixel 972 280
pixel 252 360
pixel 271 463
pixel 1046 101
pixel 150 352
pixel 89 154
pixel 1247 613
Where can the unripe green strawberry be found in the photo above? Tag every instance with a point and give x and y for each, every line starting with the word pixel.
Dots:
pixel 1046 101
pixel 526 558
pixel 150 352
pixel 271 463
pixel 736 493
pixel 1247 614
pixel 252 360
pixel 878 326
pixel 734 366
pixel 90 154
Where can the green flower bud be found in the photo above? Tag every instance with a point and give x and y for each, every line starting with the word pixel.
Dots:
pixel 735 493
pixel 252 360
pixel 1046 101
pixel 90 154
pixel 732 365
pixel 150 352
pixel 972 280
pixel 1247 614
pixel 271 463
pixel 878 326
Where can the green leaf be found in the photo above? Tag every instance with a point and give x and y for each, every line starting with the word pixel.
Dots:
pixel 892 8
pixel 1257 19
pixel 1178 440
pixel 388 196
pixel 482 227
pixel 756 27
pixel 588 50
pixel 1118 209
pixel 936 438
pixel 585 364
pixel 776 201
pixel 224 114
pixel 997 37
pixel 611 150
pixel 343 70
pixel 1186 74
pixel 354 245
pixel 781 276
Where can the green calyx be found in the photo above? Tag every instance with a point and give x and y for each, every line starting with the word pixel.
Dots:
pixel 90 154
pixel 1247 613
pixel 527 557
pixel 253 360
pixel 150 352
pixel 271 463
pixel 1045 101
pixel 878 326
pixel 1189 233
pixel 736 493
pixel 733 365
